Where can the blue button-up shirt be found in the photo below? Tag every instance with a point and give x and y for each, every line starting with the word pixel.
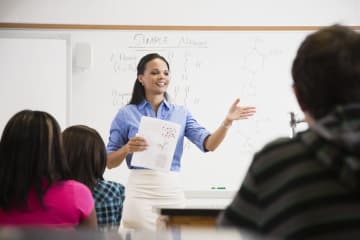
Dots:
pixel 126 123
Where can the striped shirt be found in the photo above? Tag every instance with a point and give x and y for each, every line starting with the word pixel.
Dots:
pixel 109 197
pixel 304 188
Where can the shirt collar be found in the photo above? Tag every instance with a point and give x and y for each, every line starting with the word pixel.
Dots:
pixel 143 104
pixel 166 103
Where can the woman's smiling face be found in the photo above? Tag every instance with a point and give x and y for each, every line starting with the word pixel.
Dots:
pixel 155 78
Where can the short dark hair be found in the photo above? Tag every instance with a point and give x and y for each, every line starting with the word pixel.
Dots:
pixel 326 70
pixel 86 154
pixel 138 94
pixel 30 152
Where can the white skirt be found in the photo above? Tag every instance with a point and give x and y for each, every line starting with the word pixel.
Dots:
pixel 145 190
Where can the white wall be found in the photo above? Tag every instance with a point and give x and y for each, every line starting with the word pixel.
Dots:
pixel 184 12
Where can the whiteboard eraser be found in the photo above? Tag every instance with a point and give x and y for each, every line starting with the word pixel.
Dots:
pixel 82 55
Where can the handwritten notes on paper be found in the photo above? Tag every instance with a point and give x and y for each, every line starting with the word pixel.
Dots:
pixel 161 137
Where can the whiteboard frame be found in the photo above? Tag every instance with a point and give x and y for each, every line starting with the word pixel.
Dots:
pixel 164 27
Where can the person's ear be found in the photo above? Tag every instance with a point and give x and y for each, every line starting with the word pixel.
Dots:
pixel 307 116
pixel 296 93
pixel 140 79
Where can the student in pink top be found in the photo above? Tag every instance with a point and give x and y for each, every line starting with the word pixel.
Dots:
pixel 35 189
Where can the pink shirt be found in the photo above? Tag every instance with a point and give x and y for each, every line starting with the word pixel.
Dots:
pixel 67 203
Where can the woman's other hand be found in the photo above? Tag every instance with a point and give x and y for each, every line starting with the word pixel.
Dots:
pixel 136 144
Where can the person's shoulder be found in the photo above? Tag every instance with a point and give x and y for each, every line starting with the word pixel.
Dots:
pixel 178 108
pixel 125 112
pixel 111 186
pixel 279 149
pixel 107 192
pixel 72 184
pixel 127 108
pixel 276 143
pixel 71 188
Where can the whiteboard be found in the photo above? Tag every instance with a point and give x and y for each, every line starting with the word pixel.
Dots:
pixel 209 69
pixel 35 74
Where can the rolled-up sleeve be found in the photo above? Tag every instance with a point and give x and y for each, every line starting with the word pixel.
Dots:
pixel 195 132
pixel 117 137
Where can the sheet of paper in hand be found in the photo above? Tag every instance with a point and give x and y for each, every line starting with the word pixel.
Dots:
pixel 162 137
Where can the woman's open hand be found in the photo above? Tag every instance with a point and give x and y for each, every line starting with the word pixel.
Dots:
pixel 240 112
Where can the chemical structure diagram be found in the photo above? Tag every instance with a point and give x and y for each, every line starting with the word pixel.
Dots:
pixel 253 62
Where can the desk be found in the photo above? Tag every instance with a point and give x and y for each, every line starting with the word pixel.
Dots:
pixel 190 216
pixel 201 209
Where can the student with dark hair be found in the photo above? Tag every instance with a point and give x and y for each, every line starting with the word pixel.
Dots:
pixel 35 189
pixel 147 188
pixel 307 187
pixel 86 154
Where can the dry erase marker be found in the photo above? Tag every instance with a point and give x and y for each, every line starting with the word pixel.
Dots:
pixel 218 188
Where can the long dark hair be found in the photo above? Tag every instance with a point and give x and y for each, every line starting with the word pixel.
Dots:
pixel 31 158
pixel 138 94
pixel 86 154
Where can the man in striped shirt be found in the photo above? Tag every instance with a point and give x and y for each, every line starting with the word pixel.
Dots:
pixel 307 187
